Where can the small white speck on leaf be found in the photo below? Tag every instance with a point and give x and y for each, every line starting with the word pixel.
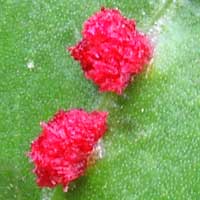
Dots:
pixel 100 149
pixel 65 189
pixel 30 65
pixel 143 13
pixel 97 153
pixel 47 194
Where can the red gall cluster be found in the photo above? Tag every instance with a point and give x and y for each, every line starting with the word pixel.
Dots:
pixel 111 50
pixel 61 151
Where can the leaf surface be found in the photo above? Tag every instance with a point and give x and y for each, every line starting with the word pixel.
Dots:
pixel 153 143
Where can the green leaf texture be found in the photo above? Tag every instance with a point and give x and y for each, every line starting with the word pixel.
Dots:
pixel 153 143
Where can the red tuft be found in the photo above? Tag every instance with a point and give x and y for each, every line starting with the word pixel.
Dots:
pixel 112 50
pixel 60 153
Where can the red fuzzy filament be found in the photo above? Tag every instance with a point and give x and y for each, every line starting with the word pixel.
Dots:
pixel 61 152
pixel 111 50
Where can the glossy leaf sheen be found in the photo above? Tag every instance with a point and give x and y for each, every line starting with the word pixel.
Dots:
pixel 152 147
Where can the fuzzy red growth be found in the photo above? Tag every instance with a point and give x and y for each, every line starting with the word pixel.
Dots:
pixel 112 50
pixel 60 153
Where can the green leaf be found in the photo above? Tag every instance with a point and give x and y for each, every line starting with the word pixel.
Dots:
pixel 153 143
